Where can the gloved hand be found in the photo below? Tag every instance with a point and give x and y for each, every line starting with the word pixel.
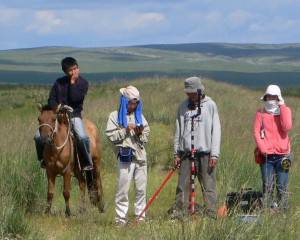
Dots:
pixel 281 101
pixel 67 108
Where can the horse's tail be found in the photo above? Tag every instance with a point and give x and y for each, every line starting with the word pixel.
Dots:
pixel 95 191
pixel 93 178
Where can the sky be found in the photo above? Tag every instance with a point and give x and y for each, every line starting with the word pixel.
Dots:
pixel 99 23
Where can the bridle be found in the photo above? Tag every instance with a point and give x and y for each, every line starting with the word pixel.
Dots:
pixel 55 131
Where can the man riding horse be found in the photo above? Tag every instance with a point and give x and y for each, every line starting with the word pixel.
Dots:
pixel 70 90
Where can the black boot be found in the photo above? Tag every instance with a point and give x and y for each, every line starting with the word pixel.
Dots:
pixel 43 163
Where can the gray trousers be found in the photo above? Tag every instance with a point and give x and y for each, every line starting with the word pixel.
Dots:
pixel 206 178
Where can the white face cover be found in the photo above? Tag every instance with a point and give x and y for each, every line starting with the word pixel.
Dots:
pixel 272 107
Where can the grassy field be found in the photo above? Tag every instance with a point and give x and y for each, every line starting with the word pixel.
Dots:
pixel 23 184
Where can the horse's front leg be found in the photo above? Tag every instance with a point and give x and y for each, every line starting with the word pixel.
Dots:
pixel 50 194
pixel 66 193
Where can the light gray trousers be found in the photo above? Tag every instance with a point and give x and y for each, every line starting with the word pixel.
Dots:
pixel 127 173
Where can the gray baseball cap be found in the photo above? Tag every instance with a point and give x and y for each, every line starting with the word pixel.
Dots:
pixel 192 84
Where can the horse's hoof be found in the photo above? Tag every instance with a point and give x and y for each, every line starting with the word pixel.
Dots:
pixel 68 212
pixel 47 211
pixel 101 209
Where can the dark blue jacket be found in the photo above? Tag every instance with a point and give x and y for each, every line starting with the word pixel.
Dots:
pixel 65 93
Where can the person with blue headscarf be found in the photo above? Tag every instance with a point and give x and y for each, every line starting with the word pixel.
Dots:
pixel 128 130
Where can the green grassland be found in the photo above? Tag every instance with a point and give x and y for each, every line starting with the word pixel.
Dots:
pixel 23 184
pixel 241 64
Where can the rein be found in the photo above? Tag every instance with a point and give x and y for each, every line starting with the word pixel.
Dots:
pixel 68 135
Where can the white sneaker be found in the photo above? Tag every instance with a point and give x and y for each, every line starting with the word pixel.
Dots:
pixel 120 224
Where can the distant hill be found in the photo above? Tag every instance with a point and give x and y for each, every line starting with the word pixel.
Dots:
pixel 289 52
pixel 253 65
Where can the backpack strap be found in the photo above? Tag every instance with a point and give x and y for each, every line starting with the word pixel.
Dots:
pixel 262 129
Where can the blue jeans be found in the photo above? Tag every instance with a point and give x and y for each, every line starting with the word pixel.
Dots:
pixel 83 140
pixel 272 172
pixel 81 137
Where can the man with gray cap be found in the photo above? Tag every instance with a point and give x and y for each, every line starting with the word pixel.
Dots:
pixel 128 130
pixel 206 142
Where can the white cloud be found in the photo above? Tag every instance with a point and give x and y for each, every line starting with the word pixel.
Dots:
pixel 256 27
pixel 149 17
pixel 44 22
pixel 277 24
pixel 238 18
pixel 283 24
pixel 73 21
pixel 140 20
pixel 213 17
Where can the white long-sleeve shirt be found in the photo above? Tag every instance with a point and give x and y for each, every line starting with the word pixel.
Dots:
pixel 117 134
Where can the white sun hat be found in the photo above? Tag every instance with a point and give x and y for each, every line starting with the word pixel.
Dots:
pixel 130 92
pixel 272 90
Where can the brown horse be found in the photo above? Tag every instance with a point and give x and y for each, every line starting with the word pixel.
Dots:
pixel 56 134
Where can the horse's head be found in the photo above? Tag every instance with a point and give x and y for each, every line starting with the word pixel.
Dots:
pixel 50 119
pixel 47 121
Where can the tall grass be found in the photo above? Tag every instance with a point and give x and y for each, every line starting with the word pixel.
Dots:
pixel 23 184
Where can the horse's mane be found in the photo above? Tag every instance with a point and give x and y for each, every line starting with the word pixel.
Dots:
pixel 46 108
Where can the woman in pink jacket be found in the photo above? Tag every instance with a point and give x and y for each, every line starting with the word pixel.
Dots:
pixel 271 127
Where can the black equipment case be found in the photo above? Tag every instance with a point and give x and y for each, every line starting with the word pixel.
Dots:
pixel 245 200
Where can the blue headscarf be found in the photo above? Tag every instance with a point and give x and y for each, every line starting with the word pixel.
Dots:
pixel 123 111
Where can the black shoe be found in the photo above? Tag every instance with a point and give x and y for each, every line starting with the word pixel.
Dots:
pixel 43 163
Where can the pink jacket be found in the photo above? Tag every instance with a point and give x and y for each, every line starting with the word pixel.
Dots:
pixel 276 139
